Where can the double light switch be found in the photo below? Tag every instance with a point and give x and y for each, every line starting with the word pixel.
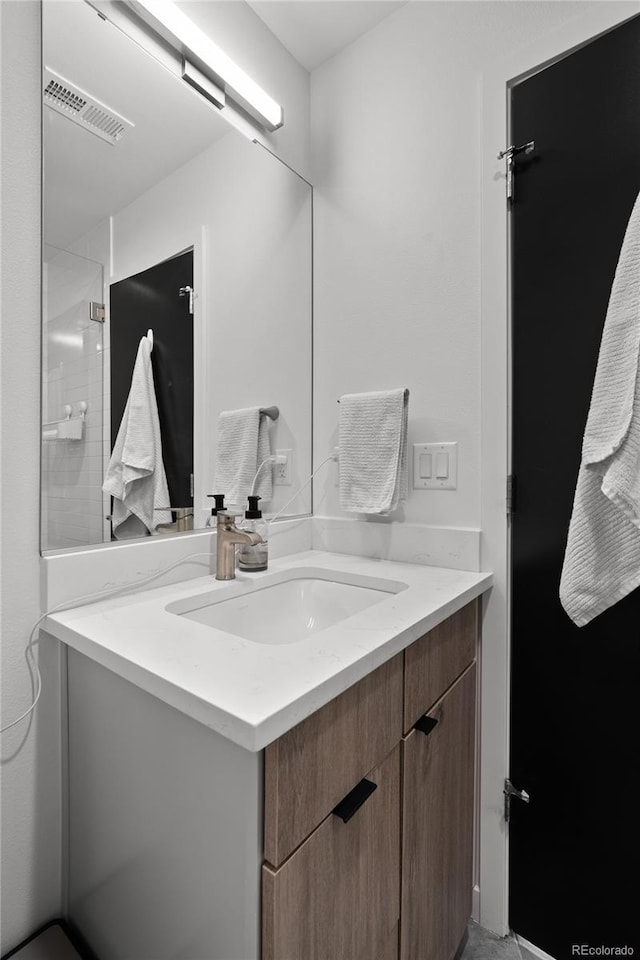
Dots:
pixel 435 466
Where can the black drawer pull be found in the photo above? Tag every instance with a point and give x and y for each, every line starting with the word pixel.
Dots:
pixel 354 800
pixel 426 725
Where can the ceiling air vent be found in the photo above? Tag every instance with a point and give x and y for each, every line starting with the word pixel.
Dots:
pixel 72 102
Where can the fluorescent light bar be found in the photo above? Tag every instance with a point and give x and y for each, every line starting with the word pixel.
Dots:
pixel 175 26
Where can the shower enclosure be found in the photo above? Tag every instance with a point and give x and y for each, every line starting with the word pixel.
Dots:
pixel 74 405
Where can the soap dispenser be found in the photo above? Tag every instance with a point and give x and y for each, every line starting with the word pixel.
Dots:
pixel 253 558
pixel 219 499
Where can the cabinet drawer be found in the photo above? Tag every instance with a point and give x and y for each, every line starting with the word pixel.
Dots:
pixel 338 895
pixel 434 661
pixel 309 769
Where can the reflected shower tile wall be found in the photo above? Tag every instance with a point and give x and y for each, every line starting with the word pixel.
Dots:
pixel 96 245
pixel 72 470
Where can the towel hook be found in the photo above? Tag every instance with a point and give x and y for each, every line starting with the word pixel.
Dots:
pixel 187 292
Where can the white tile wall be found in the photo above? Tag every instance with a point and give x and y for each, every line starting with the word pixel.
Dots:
pixel 72 470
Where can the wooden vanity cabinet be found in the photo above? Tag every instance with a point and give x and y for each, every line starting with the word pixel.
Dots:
pixel 395 881
pixel 183 843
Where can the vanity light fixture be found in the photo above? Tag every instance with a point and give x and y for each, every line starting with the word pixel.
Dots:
pixel 193 43
pixel 201 82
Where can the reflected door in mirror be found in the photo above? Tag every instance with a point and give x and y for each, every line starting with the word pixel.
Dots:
pixel 155 299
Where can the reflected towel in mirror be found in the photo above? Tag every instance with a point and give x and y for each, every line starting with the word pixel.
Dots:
pixel 135 476
pixel 243 444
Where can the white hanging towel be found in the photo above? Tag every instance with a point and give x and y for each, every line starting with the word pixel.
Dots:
pixel 243 444
pixel 135 476
pixel 602 559
pixel 373 451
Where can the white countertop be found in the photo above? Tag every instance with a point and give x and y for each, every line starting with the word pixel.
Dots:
pixel 250 692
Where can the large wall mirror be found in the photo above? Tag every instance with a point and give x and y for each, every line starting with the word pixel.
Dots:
pixel 176 298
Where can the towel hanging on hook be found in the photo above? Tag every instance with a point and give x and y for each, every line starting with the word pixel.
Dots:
pixel 150 336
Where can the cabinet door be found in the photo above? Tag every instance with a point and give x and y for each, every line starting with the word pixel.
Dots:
pixel 437 827
pixel 337 896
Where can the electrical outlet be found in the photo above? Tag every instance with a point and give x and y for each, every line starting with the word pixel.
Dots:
pixel 283 468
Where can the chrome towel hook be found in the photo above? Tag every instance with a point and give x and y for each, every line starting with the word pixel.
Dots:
pixel 187 292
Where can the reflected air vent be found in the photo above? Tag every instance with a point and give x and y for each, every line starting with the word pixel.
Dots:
pixel 72 102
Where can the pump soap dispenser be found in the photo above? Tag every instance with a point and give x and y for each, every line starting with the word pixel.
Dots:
pixel 252 558
pixel 219 499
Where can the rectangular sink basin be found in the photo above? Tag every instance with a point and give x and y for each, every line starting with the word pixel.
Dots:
pixel 288 607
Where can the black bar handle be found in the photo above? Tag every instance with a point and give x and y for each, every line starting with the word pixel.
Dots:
pixel 354 800
pixel 426 725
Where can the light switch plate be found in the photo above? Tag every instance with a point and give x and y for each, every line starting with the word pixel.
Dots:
pixel 432 459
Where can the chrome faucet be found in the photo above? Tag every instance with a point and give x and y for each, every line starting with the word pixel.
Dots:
pixel 228 537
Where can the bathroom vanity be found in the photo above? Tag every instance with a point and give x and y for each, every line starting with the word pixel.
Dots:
pixel 308 795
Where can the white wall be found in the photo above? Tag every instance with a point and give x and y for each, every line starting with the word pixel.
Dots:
pixel 31 762
pixel 249 218
pixel 396 169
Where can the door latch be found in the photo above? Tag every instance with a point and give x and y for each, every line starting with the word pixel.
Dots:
pixel 509 792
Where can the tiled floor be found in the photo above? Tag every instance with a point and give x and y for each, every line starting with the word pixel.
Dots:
pixel 483 945
pixel 52 944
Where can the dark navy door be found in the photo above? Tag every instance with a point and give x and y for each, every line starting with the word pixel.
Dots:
pixel 575 721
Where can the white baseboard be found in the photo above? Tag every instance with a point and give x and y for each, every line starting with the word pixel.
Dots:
pixel 531 947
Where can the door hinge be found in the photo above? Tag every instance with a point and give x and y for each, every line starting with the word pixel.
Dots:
pixel 96 311
pixel 510 155
pixel 191 484
pixel 509 792
pixel 511 495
